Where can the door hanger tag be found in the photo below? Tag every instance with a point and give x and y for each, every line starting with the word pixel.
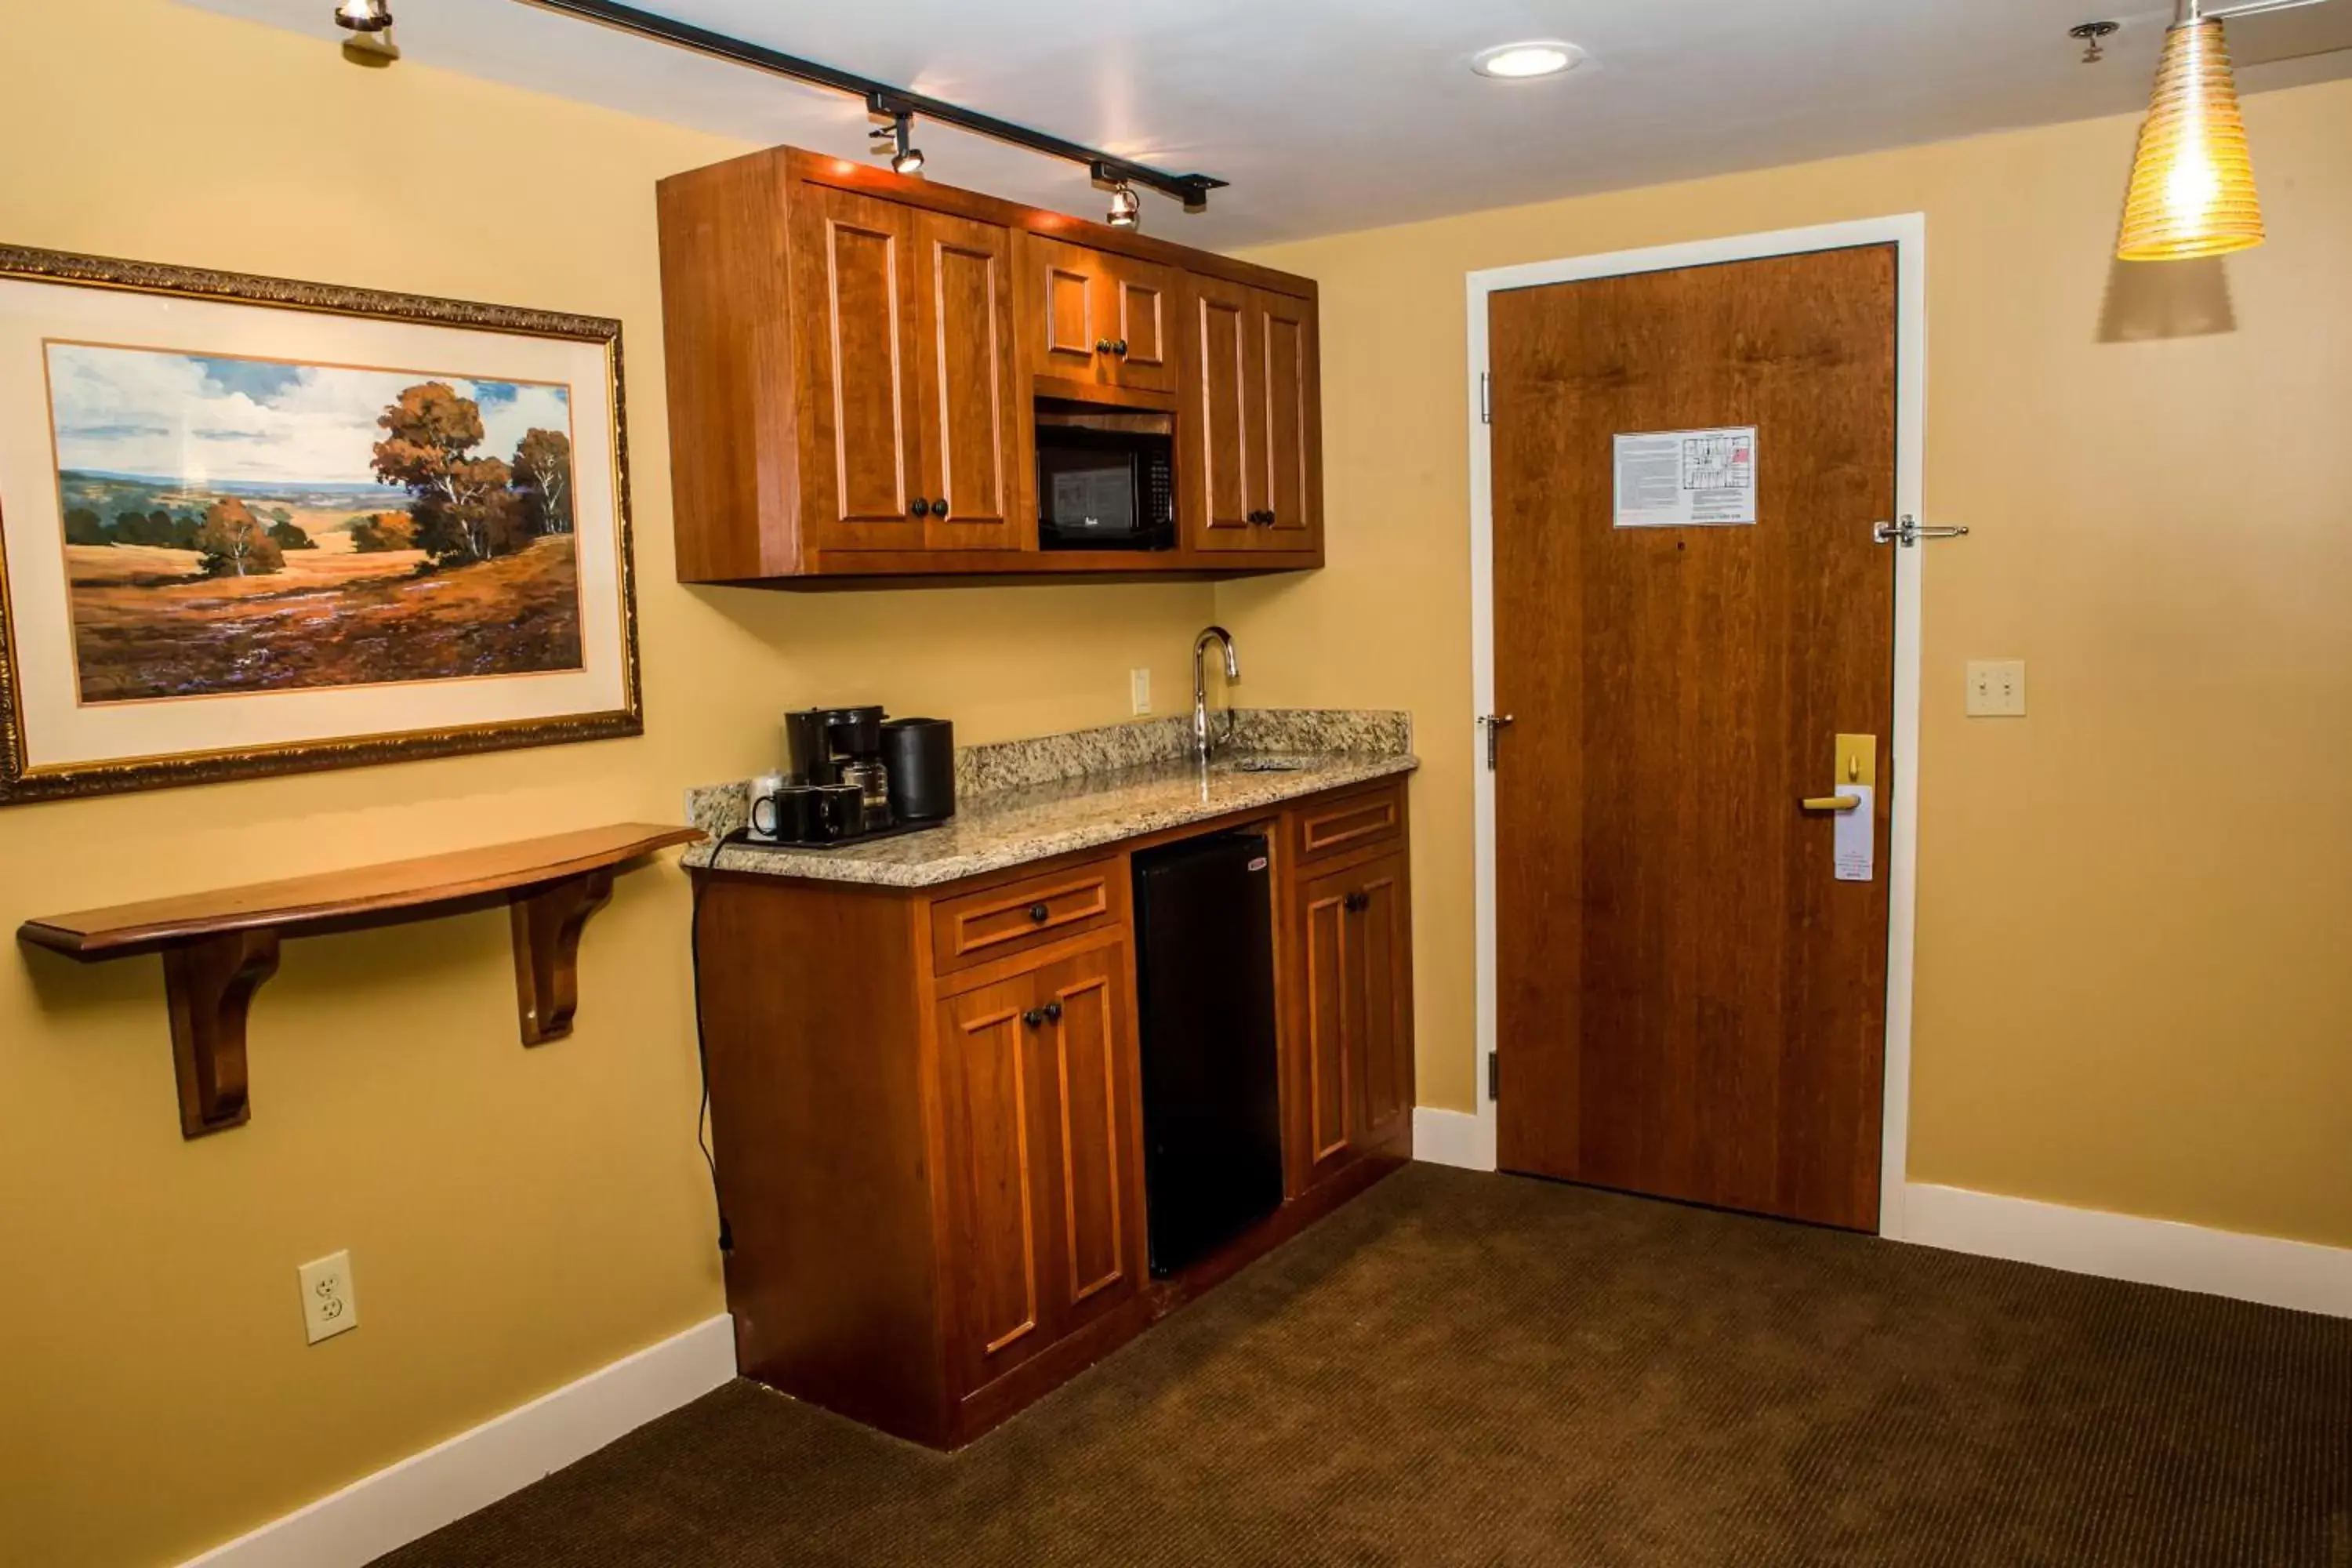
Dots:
pixel 1854 841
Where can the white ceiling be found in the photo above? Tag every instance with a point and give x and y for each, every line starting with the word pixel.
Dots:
pixel 1329 115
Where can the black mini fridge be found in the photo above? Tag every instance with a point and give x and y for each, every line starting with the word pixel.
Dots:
pixel 1212 1095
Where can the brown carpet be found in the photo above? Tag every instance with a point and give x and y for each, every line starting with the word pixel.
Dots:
pixel 1482 1370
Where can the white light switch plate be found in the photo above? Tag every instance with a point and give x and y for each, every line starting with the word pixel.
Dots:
pixel 329 1304
pixel 1996 688
pixel 1139 691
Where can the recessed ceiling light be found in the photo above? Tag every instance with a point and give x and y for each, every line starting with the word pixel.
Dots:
pixel 1516 62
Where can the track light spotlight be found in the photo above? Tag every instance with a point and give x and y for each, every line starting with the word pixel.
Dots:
pixel 368 24
pixel 1126 207
pixel 904 157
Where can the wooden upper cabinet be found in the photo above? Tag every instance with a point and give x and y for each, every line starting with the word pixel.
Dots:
pixel 1292 450
pixel 1253 408
pixel 855 304
pixel 1103 319
pixel 848 348
pixel 1221 490
pixel 971 427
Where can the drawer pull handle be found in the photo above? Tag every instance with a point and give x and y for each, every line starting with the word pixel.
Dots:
pixel 1038 912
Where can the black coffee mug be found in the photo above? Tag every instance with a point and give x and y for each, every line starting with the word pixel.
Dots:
pixel 840 811
pixel 789 816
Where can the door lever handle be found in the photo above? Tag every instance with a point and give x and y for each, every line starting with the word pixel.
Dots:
pixel 1831 801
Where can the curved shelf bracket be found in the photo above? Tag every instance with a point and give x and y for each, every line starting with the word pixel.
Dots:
pixel 219 947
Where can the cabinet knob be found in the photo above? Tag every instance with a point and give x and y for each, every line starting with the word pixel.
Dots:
pixel 1038 912
pixel 919 507
pixel 1118 346
pixel 939 507
pixel 1053 1012
pixel 1102 345
pixel 1032 1017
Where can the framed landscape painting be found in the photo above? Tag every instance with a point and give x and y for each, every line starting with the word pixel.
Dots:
pixel 251 526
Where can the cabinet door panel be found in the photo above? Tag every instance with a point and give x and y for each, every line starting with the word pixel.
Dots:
pixel 1140 306
pixel 860 455
pixel 992 1101
pixel 1092 1052
pixel 1383 944
pixel 1069 299
pixel 1334 978
pixel 1224 474
pixel 970 424
pixel 1292 453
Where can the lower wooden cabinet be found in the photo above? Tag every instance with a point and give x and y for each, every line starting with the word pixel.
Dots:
pixel 1352 1008
pixel 926 1110
pixel 1038 1084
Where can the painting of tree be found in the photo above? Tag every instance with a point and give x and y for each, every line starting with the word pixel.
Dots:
pixel 235 544
pixel 464 509
pixel 542 473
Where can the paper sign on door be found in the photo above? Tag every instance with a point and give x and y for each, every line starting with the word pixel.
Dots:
pixel 1853 842
pixel 1685 478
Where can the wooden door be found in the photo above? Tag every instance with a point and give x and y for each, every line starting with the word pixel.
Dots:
pixel 1090 1051
pixel 1071 315
pixel 1332 1022
pixel 1380 949
pixel 970 427
pixel 1291 393
pixel 996 1100
pixel 1222 473
pixel 854 309
pixel 1139 304
pixel 1689 1004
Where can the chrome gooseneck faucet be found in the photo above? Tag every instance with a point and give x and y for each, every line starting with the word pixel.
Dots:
pixel 1202 745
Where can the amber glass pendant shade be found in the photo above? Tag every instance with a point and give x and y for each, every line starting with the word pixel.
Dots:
pixel 2192 188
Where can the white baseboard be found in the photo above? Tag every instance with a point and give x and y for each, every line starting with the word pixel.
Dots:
pixel 2264 1268
pixel 1453 1138
pixel 475 1468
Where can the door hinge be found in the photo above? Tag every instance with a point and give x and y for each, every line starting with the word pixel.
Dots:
pixel 1494 1075
pixel 1492 724
pixel 1486 399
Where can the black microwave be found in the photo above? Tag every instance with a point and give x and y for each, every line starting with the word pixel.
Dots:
pixel 1104 490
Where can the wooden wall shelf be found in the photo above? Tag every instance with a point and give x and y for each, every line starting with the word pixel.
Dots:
pixel 218 947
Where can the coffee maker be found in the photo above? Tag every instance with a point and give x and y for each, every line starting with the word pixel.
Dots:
pixel 834 746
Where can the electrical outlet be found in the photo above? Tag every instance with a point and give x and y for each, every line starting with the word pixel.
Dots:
pixel 1996 688
pixel 1139 691
pixel 329 1304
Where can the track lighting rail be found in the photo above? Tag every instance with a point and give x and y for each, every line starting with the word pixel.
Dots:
pixel 881 98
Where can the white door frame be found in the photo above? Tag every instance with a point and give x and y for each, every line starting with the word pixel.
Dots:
pixel 1447 1135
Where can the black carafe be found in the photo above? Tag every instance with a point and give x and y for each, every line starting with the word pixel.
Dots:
pixel 921 756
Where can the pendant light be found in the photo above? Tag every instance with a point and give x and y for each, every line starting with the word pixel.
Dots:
pixel 2192 186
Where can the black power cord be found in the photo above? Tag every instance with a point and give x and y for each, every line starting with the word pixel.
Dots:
pixel 702 1044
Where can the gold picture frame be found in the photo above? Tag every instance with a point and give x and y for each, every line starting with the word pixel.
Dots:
pixel 57 742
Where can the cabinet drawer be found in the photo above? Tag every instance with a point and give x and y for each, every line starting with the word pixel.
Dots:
pixel 1003 919
pixel 1352 822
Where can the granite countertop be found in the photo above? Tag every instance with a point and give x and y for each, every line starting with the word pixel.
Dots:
pixel 1091 806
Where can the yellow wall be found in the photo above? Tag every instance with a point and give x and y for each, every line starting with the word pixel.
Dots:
pixel 2134 905
pixel 516 1218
